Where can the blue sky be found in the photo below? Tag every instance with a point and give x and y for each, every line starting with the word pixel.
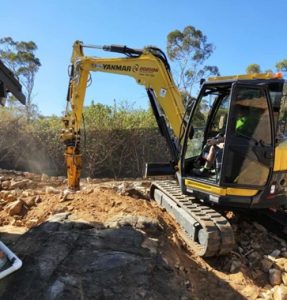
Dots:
pixel 243 32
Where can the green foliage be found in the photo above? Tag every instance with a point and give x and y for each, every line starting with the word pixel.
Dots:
pixel 282 65
pixel 20 58
pixel 190 50
pixel 116 141
pixel 122 116
pixel 253 68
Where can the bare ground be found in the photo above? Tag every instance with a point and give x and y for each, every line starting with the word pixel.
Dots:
pixel 108 241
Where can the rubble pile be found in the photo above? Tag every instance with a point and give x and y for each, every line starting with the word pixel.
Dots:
pixel 108 241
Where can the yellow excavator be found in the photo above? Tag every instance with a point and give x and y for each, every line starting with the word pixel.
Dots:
pixel 239 121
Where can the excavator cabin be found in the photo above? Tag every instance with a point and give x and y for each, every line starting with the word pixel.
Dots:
pixel 248 114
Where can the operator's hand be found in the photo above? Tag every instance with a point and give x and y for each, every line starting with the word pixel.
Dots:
pixel 212 142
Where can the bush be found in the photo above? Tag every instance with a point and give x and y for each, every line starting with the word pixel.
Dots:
pixel 116 141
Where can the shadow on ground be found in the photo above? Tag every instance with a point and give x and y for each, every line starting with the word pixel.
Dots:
pixel 74 260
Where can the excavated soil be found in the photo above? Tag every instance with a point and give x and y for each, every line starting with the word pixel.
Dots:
pixel 108 241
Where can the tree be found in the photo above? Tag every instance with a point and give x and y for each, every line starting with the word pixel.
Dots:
pixel 20 58
pixel 253 68
pixel 282 65
pixel 190 50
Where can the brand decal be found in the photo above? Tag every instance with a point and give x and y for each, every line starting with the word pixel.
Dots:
pixel 148 70
pixel 108 67
pixel 134 68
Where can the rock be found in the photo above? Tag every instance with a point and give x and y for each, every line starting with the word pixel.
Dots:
pixel 280 293
pixel 235 266
pixel 281 241
pixel 30 201
pixel 284 278
pixel 266 264
pixel 281 264
pixel 275 277
pixel 265 295
pixel 151 244
pixel 87 190
pixel 19 184
pixel 4 194
pixel 44 177
pixel 254 256
pixel 32 222
pixel 5 185
pixel 65 196
pixel 260 227
pixel 52 190
pixel 11 197
pixel 15 208
pixel 60 217
pixel 275 253
pixel 38 199
pixel 250 292
pixel 29 175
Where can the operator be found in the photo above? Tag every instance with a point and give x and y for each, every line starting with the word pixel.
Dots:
pixel 215 153
pixel 216 144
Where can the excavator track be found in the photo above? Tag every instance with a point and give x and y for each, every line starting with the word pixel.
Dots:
pixel 206 231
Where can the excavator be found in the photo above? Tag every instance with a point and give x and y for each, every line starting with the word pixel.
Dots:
pixel 246 114
pixel 9 262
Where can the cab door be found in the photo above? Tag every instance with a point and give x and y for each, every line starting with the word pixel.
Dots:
pixel 249 143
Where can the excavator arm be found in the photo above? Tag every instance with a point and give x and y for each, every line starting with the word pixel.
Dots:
pixel 9 83
pixel 149 67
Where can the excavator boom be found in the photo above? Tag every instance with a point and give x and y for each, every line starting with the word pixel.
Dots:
pixel 149 67
pixel 9 83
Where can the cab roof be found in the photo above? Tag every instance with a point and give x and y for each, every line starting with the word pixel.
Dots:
pixel 254 76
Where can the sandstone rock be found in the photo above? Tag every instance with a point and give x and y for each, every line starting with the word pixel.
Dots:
pixel 281 264
pixel 280 293
pixel 30 201
pixel 52 190
pixel 44 177
pixel 38 199
pixel 266 264
pixel 275 276
pixel 284 278
pixel 32 222
pixel 19 184
pixel 65 196
pixel 250 292
pixel 11 197
pixel 28 193
pixel 87 190
pixel 15 208
pixel 29 175
pixel 4 194
pixel 5 185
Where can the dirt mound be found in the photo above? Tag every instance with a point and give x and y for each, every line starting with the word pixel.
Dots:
pixel 108 241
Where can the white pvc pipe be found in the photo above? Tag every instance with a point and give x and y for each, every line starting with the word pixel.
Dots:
pixel 15 262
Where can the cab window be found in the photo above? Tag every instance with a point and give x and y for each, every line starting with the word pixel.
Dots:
pixel 248 156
